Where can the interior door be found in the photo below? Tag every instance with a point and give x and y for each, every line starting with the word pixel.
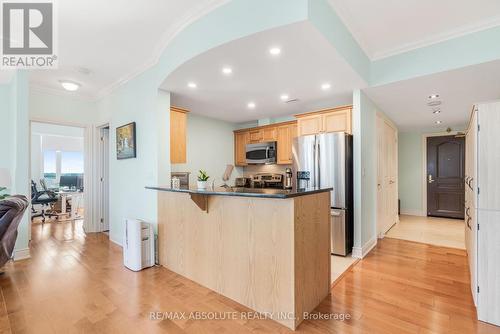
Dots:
pixel 445 176
pixel 387 185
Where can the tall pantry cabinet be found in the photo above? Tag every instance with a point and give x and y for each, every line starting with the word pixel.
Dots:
pixel 482 209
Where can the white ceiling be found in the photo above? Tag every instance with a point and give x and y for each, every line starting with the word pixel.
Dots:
pixel 388 27
pixel 306 61
pixel 405 102
pixel 114 39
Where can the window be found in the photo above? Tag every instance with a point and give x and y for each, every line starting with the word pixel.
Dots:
pixel 71 163
pixel 49 164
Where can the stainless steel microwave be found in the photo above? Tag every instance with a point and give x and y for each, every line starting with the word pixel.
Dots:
pixel 261 153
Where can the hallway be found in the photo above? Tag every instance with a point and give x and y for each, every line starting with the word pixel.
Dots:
pixel 77 283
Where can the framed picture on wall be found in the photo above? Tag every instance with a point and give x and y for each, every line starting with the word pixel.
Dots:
pixel 125 141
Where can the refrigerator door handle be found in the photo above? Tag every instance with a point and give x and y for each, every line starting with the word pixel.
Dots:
pixel 319 165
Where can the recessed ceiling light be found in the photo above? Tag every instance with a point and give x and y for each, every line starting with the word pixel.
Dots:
pixel 227 70
pixel 438 122
pixel 251 105
pixel 325 86
pixel 70 85
pixel 275 51
pixel 192 85
pixel 433 96
pixel 284 97
pixel 436 111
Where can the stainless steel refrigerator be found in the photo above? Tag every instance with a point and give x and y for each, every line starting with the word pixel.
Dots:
pixel 325 160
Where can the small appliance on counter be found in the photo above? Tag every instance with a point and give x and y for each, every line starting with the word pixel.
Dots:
pixel 180 180
pixel 287 184
pixel 267 180
pixel 303 178
pixel 242 182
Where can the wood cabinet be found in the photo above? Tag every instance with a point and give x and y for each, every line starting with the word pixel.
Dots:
pixel 286 134
pixel 281 133
pixel 178 123
pixel 327 120
pixel 241 139
pixel 255 136
pixel 269 133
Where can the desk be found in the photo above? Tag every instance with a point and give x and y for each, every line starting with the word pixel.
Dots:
pixel 76 202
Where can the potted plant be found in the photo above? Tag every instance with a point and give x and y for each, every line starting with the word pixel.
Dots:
pixel 202 179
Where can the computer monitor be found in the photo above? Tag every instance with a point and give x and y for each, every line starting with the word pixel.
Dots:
pixel 68 181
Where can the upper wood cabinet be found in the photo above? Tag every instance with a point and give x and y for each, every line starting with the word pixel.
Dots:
pixel 286 134
pixel 241 139
pixel 328 120
pixel 269 134
pixel 282 133
pixel 256 136
pixel 178 123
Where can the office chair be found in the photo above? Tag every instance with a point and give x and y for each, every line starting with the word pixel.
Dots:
pixel 45 198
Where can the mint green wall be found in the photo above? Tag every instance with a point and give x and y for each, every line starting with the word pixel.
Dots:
pixel 324 18
pixel 474 48
pixel 210 146
pixel 410 172
pixel 365 168
pixel 14 137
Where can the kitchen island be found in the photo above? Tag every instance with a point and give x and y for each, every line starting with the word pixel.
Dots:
pixel 266 249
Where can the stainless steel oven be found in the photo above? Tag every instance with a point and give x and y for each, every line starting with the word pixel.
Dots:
pixel 261 153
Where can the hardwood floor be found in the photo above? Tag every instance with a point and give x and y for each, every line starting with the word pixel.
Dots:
pixel 430 230
pixel 77 284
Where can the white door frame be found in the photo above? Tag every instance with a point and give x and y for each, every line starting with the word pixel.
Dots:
pixel 100 200
pixel 88 169
pixel 424 164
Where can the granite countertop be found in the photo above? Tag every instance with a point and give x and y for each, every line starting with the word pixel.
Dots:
pixel 246 192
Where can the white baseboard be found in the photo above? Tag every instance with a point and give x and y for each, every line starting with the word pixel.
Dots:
pixel 21 254
pixel 361 252
pixel 413 212
pixel 115 242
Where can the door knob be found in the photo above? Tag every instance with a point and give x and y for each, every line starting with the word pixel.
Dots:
pixel 430 178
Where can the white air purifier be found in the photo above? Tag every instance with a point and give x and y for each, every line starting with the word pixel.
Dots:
pixel 138 245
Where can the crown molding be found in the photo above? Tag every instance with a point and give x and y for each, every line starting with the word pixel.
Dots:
pixel 363 43
pixel 165 40
pixel 438 38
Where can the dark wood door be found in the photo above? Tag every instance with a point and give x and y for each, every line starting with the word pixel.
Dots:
pixel 445 176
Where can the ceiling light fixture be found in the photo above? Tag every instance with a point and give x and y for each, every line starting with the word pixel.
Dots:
pixel 325 86
pixel 284 97
pixel 192 85
pixel 438 122
pixel 433 96
pixel 227 70
pixel 251 105
pixel 275 51
pixel 70 85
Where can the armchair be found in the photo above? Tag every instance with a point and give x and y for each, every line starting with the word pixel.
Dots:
pixel 11 212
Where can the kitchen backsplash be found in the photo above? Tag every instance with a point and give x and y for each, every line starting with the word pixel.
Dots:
pixel 254 169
